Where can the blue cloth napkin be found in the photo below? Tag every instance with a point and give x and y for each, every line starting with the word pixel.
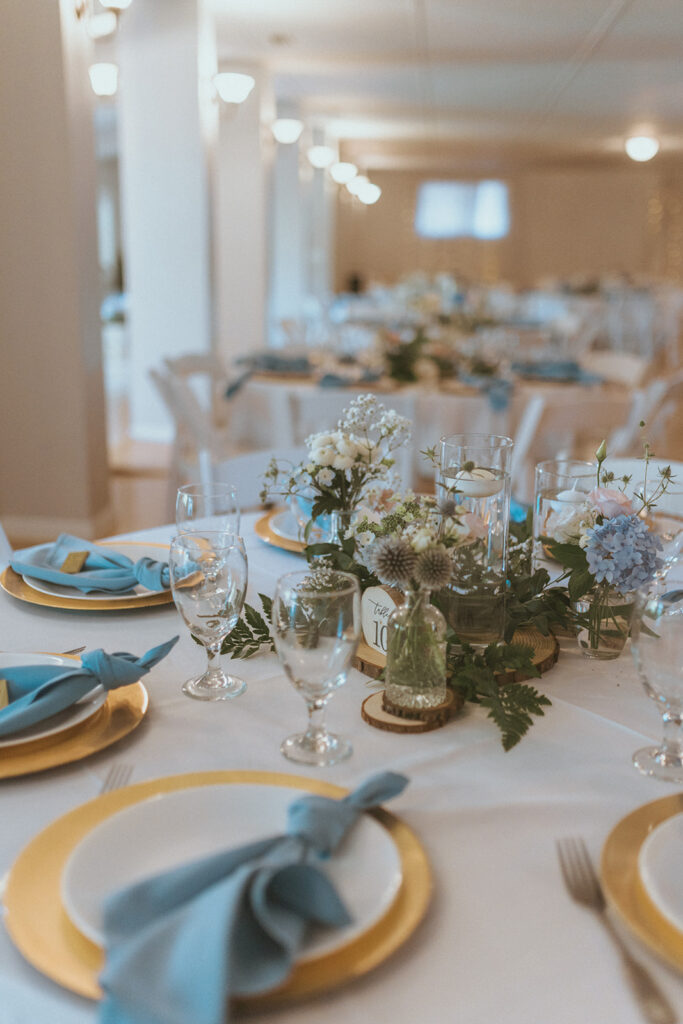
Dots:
pixel 37 692
pixel 277 362
pixel 556 370
pixel 236 385
pixel 338 380
pixel 181 944
pixel 497 389
pixel 104 569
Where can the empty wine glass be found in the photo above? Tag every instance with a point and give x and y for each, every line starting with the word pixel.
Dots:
pixel 316 628
pixel 212 507
pixel 209 584
pixel 657 645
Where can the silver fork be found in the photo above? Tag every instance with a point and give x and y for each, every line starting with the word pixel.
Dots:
pixel 118 775
pixel 583 886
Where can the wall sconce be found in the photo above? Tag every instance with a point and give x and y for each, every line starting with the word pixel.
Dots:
pixel 233 87
pixel 321 156
pixel 104 79
pixel 641 147
pixel 101 25
pixel 343 172
pixel 287 129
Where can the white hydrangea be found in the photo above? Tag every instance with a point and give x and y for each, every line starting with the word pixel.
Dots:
pixel 570 525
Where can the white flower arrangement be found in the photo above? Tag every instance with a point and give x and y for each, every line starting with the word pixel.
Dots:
pixel 344 466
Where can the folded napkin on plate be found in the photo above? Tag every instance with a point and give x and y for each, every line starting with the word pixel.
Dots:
pixel 37 692
pixel 181 944
pixel 560 370
pixel 104 569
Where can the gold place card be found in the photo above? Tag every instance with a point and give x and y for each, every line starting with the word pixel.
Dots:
pixel 74 561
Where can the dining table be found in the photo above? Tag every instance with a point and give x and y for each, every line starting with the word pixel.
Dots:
pixel 500 939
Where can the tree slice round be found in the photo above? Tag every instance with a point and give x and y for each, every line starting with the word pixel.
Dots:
pixel 374 714
pixel 441 713
pixel 545 654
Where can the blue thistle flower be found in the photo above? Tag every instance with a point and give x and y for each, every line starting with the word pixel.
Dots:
pixel 623 553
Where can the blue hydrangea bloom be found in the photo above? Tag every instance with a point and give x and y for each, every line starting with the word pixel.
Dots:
pixel 623 553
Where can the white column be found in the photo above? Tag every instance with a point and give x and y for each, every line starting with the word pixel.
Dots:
pixel 240 224
pixel 166 114
pixel 53 458
pixel 287 240
pixel 321 201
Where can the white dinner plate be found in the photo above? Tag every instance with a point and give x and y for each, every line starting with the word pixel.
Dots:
pixel 134 552
pixel 174 828
pixel 79 712
pixel 285 525
pixel 660 865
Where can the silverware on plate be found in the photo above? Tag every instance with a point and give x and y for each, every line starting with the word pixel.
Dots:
pixel 583 886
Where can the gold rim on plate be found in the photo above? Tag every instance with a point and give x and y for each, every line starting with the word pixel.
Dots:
pixel 12 583
pixel 123 710
pixel 43 933
pixel 265 531
pixel 623 885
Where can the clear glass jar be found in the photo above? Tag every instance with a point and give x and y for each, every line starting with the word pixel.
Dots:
pixel 605 621
pixel 416 653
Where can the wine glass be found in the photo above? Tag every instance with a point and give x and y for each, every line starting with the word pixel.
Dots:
pixel 657 646
pixel 202 507
pixel 209 583
pixel 316 628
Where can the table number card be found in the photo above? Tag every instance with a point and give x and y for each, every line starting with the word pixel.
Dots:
pixel 377 605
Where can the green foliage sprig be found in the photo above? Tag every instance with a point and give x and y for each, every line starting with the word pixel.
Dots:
pixel 251 635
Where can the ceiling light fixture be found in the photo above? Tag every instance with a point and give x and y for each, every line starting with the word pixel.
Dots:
pixel 343 172
pixel 116 5
pixel 287 129
pixel 641 147
pixel 369 193
pixel 233 87
pixel 356 184
pixel 104 78
pixel 321 156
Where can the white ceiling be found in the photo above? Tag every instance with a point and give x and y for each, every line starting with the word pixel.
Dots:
pixel 551 75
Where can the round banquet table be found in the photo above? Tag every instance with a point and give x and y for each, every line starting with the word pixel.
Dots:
pixel 501 941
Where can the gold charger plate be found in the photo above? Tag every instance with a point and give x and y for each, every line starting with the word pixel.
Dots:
pixel 13 584
pixel 123 710
pixel 43 933
pixel 622 883
pixel 265 532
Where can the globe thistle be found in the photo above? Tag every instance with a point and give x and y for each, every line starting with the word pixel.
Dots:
pixel 446 506
pixel 393 560
pixel 434 568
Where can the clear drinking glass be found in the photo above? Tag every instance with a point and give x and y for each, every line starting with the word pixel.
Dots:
pixel 316 629
pixel 212 507
pixel 474 476
pixel 657 646
pixel 561 489
pixel 209 583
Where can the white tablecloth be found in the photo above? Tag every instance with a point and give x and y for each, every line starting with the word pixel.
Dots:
pixel 502 941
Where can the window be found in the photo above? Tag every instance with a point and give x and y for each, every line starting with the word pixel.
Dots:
pixel 458 209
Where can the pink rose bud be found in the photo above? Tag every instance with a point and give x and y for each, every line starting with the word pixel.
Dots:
pixel 610 503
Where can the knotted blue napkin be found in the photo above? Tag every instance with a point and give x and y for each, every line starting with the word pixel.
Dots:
pixel 104 569
pixel 37 692
pixel 181 944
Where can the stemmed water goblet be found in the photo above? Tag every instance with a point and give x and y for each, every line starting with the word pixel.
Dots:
pixel 209 583
pixel 213 507
pixel 657 647
pixel 316 629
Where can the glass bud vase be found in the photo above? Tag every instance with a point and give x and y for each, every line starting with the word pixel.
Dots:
pixel 416 653
pixel 604 622
pixel 340 521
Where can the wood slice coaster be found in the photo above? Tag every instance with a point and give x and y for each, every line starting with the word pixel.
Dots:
pixel 546 650
pixel 374 714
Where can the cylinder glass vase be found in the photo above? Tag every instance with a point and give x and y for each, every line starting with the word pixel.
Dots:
pixel 561 489
pixel 473 483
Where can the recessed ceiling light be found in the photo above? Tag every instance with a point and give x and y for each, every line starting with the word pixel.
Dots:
pixel 641 147
pixel 233 87
pixel 321 156
pixel 369 193
pixel 104 78
pixel 287 129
